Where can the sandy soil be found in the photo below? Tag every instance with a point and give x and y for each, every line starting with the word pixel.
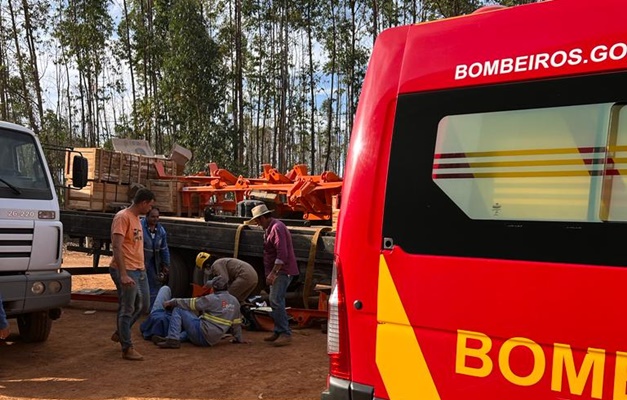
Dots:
pixel 79 361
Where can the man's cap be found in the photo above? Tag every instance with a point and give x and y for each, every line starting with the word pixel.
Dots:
pixel 258 211
pixel 201 258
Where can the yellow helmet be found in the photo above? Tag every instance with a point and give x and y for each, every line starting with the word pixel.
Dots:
pixel 201 258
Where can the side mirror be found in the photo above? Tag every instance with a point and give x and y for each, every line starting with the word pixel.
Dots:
pixel 80 168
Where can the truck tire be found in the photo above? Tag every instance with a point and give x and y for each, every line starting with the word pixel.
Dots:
pixel 180 275
pixel 35 326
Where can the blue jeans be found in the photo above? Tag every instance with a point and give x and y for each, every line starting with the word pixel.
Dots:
pixel 186 320
pixel 164 294
pixel 277 302
pixel 133 301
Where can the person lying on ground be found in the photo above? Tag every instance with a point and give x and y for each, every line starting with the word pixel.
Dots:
pixel 206 319
pixel 158 322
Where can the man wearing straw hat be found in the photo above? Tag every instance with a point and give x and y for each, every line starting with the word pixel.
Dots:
pixel 280 267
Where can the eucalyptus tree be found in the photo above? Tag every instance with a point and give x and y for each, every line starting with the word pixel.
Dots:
pixel 353 56
pixel 193 84
pixel 24 94
pixel 238 87
pixel 257 17
pixel 282 9
pixel 327 32
pixel 124 50
pixel 6 92
pixel 227 19
pixel 142 43
pixel 509 3
pixel 83 32
pixel 35 16
pixel 307 16
pixel 24 25
pixel 450 8
pixel 4 76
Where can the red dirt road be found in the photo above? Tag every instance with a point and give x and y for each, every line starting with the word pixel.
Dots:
pixel 79 361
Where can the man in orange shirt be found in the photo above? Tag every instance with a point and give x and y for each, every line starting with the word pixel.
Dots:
pixel 127 270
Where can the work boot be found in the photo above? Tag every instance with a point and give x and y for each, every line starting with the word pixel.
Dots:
pixel 170 344
pixel 115 337
pixel 272 338
pixel 156 339
pixel 131 354
pixel 283 340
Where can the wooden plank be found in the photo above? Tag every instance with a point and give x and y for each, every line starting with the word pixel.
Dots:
pixel 96 196
pixel 117 167
pixel 166 193
pixel 335 210
pixel 86 205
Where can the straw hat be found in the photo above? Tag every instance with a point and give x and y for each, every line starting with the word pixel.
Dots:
pixel 258 211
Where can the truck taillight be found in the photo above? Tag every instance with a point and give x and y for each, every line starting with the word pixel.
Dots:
pixel 337 329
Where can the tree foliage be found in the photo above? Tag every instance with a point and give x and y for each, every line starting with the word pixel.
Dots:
pixel 239 82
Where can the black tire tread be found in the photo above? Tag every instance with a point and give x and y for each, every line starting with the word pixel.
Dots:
pixel 35 326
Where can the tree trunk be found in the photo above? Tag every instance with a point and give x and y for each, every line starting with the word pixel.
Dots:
pixel 4 78
pixel 23 79
pixel 312 91
pixel 30 37
pixel 129 57
pixel 333 56
pixel 238 146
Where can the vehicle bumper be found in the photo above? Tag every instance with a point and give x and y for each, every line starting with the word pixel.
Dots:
pixel 18 297
pixel 341 389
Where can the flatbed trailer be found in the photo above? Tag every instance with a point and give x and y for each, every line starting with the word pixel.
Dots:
pixel 90 232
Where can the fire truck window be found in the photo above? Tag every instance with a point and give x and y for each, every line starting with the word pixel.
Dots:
pixel 541 164
pixel 533 170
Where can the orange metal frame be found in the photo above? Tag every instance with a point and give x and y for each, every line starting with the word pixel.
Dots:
pixel 295 191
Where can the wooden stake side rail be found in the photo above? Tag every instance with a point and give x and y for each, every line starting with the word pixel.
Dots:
pixel 194 235
pixel 198 235
pixel 188 236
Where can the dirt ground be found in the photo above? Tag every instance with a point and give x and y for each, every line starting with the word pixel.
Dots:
pixel 79 361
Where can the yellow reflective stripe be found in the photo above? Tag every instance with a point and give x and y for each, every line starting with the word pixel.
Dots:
pixel 237 321
pixel 400 361
pixel 217 320
pixel 192 304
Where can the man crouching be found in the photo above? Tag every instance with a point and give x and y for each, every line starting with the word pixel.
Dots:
pixel 206 319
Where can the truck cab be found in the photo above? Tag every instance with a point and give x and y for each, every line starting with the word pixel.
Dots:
pixel 32 284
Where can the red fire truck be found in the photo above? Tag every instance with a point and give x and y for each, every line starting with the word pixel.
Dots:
pixel 481 249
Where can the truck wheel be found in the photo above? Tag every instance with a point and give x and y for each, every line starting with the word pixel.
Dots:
pixel 35 326
pixel 180 275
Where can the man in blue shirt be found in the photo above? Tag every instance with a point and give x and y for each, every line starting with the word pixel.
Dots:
pixel 156 253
